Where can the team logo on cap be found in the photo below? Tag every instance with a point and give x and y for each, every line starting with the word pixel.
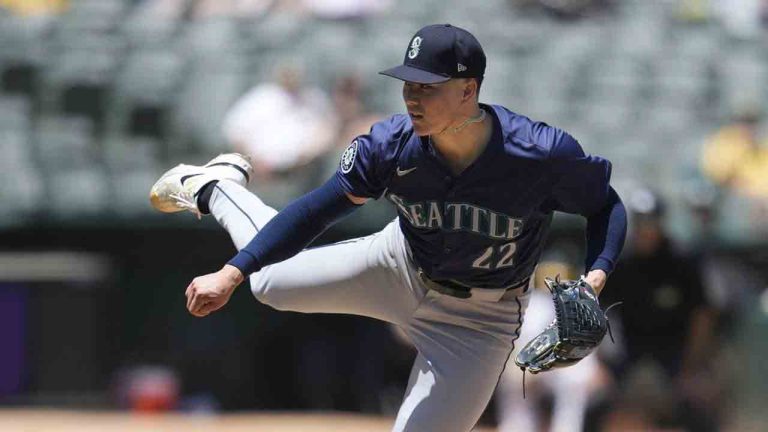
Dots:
pixel 348 157
pixel 415 44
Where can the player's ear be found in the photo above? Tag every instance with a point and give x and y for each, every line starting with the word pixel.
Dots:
pixel 470 88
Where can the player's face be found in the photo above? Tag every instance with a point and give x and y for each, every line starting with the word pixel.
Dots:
pixel 433 107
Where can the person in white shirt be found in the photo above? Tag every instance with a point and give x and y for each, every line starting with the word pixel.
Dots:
pixel 281 126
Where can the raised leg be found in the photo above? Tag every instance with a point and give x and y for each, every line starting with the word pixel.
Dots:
pixel 367 276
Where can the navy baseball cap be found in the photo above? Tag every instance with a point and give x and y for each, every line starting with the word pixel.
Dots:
pixel 438 53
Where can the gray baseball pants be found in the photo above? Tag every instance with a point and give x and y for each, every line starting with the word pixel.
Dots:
pixel 463 344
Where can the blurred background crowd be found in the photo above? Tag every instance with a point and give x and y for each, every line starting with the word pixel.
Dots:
pixel 98 97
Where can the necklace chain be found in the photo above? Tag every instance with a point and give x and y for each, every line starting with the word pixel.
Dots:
pixel 480 117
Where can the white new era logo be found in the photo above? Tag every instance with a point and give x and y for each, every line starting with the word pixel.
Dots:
pixel 462 68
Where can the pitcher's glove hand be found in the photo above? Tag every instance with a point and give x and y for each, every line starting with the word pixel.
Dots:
pixel 579 327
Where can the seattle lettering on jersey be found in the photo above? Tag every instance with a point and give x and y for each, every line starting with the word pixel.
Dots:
pixel 451 216
pixel 455 231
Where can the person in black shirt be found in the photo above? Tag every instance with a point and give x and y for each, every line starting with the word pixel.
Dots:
pixel 666 321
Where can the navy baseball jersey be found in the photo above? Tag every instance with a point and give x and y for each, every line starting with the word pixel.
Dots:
pixel 486 226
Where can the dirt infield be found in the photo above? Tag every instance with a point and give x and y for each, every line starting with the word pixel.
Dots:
pixel 33 420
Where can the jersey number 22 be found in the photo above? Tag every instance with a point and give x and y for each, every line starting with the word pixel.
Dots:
pixel 496 257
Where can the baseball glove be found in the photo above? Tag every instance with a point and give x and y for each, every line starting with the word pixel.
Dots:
pixel 579 327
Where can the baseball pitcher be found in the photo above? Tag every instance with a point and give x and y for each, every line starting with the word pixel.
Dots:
pixel 475 187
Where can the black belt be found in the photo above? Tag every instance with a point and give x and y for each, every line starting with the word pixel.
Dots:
pixel 457 289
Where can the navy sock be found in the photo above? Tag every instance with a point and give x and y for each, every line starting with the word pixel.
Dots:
pixel 204 196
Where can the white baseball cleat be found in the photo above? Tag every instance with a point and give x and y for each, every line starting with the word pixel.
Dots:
pixel 177 189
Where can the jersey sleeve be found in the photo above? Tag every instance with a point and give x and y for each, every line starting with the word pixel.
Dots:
pixel 367 164
pixel 582 181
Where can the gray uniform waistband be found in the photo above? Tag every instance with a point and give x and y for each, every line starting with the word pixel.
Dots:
pixel 456 289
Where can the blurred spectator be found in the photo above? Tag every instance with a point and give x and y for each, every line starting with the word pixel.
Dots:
pixel 354 117
pixel 282 126
pixel 35 7
pixel 746 353
pixel 148 388
pixel 736 157
pixel 729 282
pixel 346 9
pixel 336 9
pixel 668 327
pixel 736 289
pixel 740 18
pixel 693 11
pixel 570 388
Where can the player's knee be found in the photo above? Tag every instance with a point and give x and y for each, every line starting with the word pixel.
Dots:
pixel 263 291
pixel 259 287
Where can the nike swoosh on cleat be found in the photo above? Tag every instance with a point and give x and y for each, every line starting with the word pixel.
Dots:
pixel 188 176
pixel 401 173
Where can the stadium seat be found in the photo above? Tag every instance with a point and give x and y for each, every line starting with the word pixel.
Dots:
pixel 78 192
pixel 65 143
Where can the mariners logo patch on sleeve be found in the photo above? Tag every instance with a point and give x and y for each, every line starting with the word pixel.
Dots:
pixel 348 158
